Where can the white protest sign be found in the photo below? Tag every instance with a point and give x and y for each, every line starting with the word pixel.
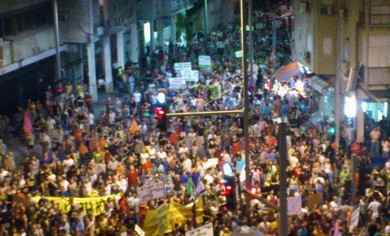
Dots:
pixel 139 231
pixel 204 62
pixel 294 205
pixel 177 83
pixel 190 75
pixel 151 192
pixel 182 66
pixel 210 163
pixel 205 230
pixel 238 54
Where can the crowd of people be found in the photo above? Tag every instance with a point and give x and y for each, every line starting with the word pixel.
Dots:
pixel 73 152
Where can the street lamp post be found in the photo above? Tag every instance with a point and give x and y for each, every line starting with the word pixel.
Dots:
pixel 206 16
pixel 246 101
pixel 57 41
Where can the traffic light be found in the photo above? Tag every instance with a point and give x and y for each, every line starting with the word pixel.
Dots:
pixel 230 193
pixel 331 130
pixel 161 117
pixel 159 113
pixel 253 189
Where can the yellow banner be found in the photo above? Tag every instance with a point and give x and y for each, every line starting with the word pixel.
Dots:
pixel 89 204
pixel 165 217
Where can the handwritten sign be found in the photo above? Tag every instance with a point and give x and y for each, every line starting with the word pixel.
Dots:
pixel 211 163
pixel 180 66
pixel 190 75
pixel 205 230
pixel 294 205
pixel 177 83
pixel 238 54
pixel 150 192
pixel 204 62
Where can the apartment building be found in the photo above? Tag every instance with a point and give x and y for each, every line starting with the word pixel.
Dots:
pixel 346 44
pixel 94 36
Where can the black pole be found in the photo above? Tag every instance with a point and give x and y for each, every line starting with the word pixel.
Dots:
pixel 246 101
pixel 283 218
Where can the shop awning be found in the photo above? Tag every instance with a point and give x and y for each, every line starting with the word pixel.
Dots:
pixel 288 71
pixel 319 84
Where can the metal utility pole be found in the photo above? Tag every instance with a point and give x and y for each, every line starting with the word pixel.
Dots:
pixel 206 27
pixel 250 22
pixel 353 180
pixel 282 143
pixel 246 100
pixel 274 39
pixel 57 41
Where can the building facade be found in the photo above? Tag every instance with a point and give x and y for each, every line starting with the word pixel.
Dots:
pixel 95 36
pixel 346 44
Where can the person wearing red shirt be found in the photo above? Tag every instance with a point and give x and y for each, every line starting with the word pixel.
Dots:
pixel 148 165
pixel 122 204
pixel 271 141
pixel 356 148
pixel 132 177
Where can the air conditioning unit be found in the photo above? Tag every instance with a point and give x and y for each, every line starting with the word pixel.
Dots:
pixel 326 10
pixel 99 30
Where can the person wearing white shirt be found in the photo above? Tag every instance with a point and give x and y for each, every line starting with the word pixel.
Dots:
pixel 111 118
pixel 91 120
pixel 3 173
pixel 144 156
pixel 374 208
pixel 183 149
pixel 209 179
pixel 112 164
pixel 187 163
pixel 64 184
pixel 161 154
pixel 386 147
pixel 137 96
pixel 68 162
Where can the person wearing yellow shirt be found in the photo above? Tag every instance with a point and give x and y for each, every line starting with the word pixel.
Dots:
pixel 80 90
pixel 317 231
pixel 98 155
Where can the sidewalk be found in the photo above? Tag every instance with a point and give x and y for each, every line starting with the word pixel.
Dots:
pixel 16 143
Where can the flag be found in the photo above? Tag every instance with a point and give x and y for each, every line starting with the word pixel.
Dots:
pixel 354 219
pixel 189 187
pixel 27 126
pixel 134 127
pixel 337 228
pixel 199 190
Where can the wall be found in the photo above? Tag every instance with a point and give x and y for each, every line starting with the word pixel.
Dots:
pixel 74 20
pixel 27 44
pixel 303 32
pixel 325 28
pixel 13 5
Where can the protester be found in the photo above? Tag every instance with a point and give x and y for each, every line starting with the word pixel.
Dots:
pixel 85 154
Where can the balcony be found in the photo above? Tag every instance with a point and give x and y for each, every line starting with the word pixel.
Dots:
pixel 26 45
